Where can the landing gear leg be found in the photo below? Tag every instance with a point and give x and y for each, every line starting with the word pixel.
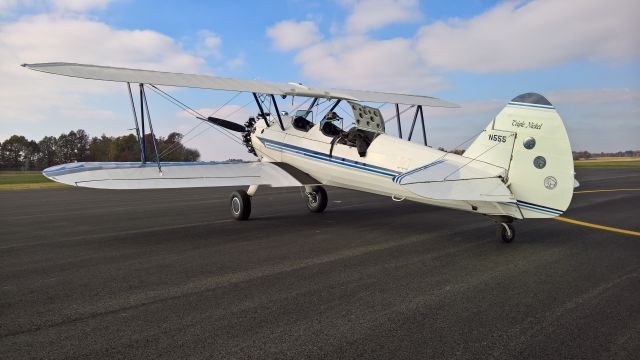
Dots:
pixel 316 198
pixel 240 203
pixel 506 232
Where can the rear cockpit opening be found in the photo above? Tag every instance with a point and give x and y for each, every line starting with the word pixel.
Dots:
pixel 368 123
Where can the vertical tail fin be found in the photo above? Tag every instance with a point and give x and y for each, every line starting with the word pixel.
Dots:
pixel 529 140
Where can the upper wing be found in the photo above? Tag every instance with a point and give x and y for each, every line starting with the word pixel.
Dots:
pixel 135 175
pixel 107 73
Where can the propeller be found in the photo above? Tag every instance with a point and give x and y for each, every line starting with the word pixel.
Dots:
pixel 229 125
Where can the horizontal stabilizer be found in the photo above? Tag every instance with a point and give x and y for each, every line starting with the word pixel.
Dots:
pixel 449 179
pixel 129 175
pixel 489 189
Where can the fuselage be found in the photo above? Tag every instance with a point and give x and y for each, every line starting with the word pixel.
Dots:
pixel 342 166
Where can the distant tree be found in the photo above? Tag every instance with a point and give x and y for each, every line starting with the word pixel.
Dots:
pixel 171 148
pixel 191 155
pixel 73 147
pixel 29 160
pixel 100 148
pixel 18 152
pixel 65 152
pixel 81 145
pixel 15 150
pixel 47 152
pixel 124 148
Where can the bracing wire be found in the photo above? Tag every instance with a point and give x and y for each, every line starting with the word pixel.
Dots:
pixel 473 159
pixel 173 147
pixel 211 125
pixel 187 108
pixel 193 112
pixel 300 105
pixel 401 112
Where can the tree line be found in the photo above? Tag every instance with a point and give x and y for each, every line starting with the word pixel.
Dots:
pixel 585 155
pixel 20 153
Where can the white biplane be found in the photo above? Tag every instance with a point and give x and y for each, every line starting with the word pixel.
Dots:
pixel 519 167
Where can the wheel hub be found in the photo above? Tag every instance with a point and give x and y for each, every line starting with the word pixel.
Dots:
pixel 313 198
pixel 235 205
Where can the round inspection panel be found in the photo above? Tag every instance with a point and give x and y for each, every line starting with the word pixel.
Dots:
pixel 529 143
pixel 540 162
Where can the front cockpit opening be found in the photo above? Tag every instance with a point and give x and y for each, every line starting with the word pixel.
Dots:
pixel 303 120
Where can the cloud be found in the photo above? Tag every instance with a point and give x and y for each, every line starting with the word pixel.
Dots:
pixel 363 63
pixel 236 62
pixel 288 35
pixel 37 104
pixel 595 96
pixel 75 6
pixel 209 43
pixel 367 15
pixel 7 5
pixel 79 5
pixel 596 119
pixel 514 36
pixel 356 60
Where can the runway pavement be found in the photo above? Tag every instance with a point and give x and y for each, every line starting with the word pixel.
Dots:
pixel 167 274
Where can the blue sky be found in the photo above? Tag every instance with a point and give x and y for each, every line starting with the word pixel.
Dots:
pixel 583 55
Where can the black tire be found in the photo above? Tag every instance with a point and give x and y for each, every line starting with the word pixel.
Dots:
pixel 317 199
pixel 240 205
pixel 506 232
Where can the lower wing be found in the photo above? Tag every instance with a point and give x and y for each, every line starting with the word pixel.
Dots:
pixel 129 175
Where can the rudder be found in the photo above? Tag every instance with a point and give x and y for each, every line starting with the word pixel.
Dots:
pixel 529 140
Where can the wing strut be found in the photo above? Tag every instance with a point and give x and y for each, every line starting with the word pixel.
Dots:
pixel 335 105
pixel 424 130
pixel 153 136
pixel 144 142
pixel 413 124
pixel 398 118
pixel 135 119
pixel 275 104
pixel 264 117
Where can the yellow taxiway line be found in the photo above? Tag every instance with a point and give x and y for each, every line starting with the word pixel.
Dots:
pixel 596 226
pixel 603 190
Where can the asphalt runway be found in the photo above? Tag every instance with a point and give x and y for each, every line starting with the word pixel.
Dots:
pixel 166 274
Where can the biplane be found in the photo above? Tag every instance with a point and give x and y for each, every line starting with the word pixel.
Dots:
pixel 519 167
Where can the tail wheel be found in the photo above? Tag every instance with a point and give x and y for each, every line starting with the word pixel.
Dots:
pixel 506 232
pixel 240 204
pixel 317 199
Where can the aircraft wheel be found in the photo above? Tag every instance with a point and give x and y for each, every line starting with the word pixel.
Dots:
pixel 317 199
pixel 240 203
pixel 506 232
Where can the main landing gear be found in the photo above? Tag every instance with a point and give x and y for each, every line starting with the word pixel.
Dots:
pixel 316 198
pixel 240 205
pixel 240 201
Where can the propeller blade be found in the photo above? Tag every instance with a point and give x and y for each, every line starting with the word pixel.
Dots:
pixel 230 125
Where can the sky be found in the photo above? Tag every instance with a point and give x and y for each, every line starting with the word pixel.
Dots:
pixel 583 55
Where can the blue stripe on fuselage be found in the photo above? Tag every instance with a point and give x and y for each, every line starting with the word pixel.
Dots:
pixel 277 145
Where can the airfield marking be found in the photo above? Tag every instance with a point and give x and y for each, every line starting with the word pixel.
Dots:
pixel 603 190
pixel 596 226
